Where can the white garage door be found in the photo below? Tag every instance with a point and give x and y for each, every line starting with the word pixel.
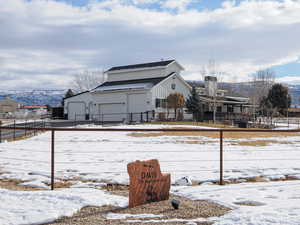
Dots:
pixel 76 111
pixel 112 112
pixel 137 104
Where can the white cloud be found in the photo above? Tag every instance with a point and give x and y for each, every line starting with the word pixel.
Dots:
pixel 289 79
pixel 138 2
pixel 42 37
pixel 177 4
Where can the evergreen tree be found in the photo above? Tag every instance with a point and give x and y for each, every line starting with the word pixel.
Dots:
pixel 68 94
pixel 279 97
pixel 193 104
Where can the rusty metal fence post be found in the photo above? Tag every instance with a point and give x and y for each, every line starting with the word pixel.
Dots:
pixel 221 158
pixel 52 159
pixel 14 130
pixel 25 128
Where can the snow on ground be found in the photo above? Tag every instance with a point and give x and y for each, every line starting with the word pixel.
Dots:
pixel 37 207
pixel 272 203
pixel 103 156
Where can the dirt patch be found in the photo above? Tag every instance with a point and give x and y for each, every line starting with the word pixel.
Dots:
pixel 191 123
pixel 188 210
pixel 240 143
pixel 25 137
pixel 234 135
pixel 261 143
pixel 249 203
pixel 12 184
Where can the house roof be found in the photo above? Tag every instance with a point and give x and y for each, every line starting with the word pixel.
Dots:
pixel 130 84
pixel 225 100
pixel 294 109
pixel 143 65
pixel 35 107
pixel 76 95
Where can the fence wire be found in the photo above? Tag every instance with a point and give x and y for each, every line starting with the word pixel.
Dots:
pixel 218 162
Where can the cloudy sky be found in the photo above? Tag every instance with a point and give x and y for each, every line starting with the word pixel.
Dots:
pixel 44 42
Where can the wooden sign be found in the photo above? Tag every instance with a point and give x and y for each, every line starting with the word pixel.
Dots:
pixel 147 183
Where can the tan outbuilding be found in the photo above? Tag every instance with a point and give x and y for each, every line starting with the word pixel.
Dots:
pixel 8 105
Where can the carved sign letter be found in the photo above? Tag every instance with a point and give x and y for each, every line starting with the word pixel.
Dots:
pixel 147 183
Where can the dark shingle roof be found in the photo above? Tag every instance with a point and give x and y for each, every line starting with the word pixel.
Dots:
pixel 153 81
pixel 143 65
pixel 76 94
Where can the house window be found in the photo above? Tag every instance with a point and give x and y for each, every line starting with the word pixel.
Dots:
pixel 173 86
pixel 160 103
pixel 229 109
pixel 219 109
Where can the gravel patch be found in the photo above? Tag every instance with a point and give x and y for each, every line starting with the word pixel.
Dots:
pixel 188 210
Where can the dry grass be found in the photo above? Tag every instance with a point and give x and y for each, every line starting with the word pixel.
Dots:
pixel 261 143
pixel 191 123
pixel 25 137
pixel 12 184
pixel 233 135
pixel 249 203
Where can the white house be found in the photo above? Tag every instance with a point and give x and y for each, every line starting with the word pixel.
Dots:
pixel 217 100
pixel 128 92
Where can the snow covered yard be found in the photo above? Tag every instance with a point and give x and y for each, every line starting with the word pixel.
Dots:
pixel 253 203
pixel 38 207
pixel 93 159
pixel 103 157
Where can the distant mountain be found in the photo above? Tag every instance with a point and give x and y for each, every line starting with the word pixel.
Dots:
pixel 35 97
pixel 54 97
pixel 294 91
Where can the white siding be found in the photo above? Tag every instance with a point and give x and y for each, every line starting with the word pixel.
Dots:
pixel 101 98
pixel 71 109
pixel 76 110
pixel 112 112
pixel 173 67
pixel 164 89
pixel 143 74
pixel 137 102
pixel 133 75
pixel 124 102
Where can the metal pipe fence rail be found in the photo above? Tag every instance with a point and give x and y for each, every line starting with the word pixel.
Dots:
pixel 220 161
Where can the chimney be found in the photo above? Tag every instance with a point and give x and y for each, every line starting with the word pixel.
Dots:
pixel 211 86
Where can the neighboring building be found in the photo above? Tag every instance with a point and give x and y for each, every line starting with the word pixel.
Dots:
pixel 226 107
pixel 8 105
pixel 294 112
pixel 35 107
pixel 129 91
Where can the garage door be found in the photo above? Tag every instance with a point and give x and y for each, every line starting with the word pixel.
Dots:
pixel 76 111
pixel 137 104
pixel 115 112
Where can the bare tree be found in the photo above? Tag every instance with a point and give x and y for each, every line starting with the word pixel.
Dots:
pixel 261 83
pixel 203 72
pixel 87 80
pixel 212 68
